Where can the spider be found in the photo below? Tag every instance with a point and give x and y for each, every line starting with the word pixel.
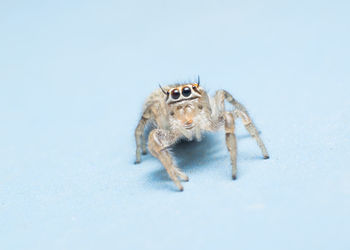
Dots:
pixel 185 111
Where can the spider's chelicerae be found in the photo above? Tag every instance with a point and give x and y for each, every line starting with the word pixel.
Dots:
pixel 185 111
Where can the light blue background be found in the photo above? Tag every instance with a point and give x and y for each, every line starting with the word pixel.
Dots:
pixel 74 75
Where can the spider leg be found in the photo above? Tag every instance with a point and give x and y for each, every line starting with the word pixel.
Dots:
pixel 241 112
pixel 231 141
pixel 249 125
pixel 140 136
pixel 158 143
pixel 140 140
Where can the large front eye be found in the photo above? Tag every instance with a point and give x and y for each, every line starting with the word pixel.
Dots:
pixel 175 94
pixel 186 91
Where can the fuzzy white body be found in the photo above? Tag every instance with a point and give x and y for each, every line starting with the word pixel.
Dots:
pixel 186 111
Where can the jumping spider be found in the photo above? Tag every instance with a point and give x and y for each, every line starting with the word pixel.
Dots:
pixel 185 111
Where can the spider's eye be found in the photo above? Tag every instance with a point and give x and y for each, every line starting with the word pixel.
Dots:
pixel 186 91
pixel 175 94
pixel 194 86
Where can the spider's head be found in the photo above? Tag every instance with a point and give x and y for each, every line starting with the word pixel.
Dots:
pixel 183 93
pixel 184 104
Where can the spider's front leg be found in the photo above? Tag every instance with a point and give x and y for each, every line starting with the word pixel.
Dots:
pixel 231 141
pixel 158 143
pixel 140 138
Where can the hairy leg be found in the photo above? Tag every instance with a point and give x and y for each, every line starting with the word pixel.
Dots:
pixel 140 139
pixel 158 142
pixel 241 112
pixel 231 141
pixel 249 125
pixel 140 133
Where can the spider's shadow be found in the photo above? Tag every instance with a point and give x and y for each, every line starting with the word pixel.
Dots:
pixel 193 155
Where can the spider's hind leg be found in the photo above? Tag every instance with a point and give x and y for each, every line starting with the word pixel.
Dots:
pixel 249 125
pixel 231 141
pixel 241 112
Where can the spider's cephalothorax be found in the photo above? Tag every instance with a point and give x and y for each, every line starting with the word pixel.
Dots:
pixel 185 111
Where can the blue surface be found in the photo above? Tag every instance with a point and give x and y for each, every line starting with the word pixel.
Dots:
pixel 74 75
